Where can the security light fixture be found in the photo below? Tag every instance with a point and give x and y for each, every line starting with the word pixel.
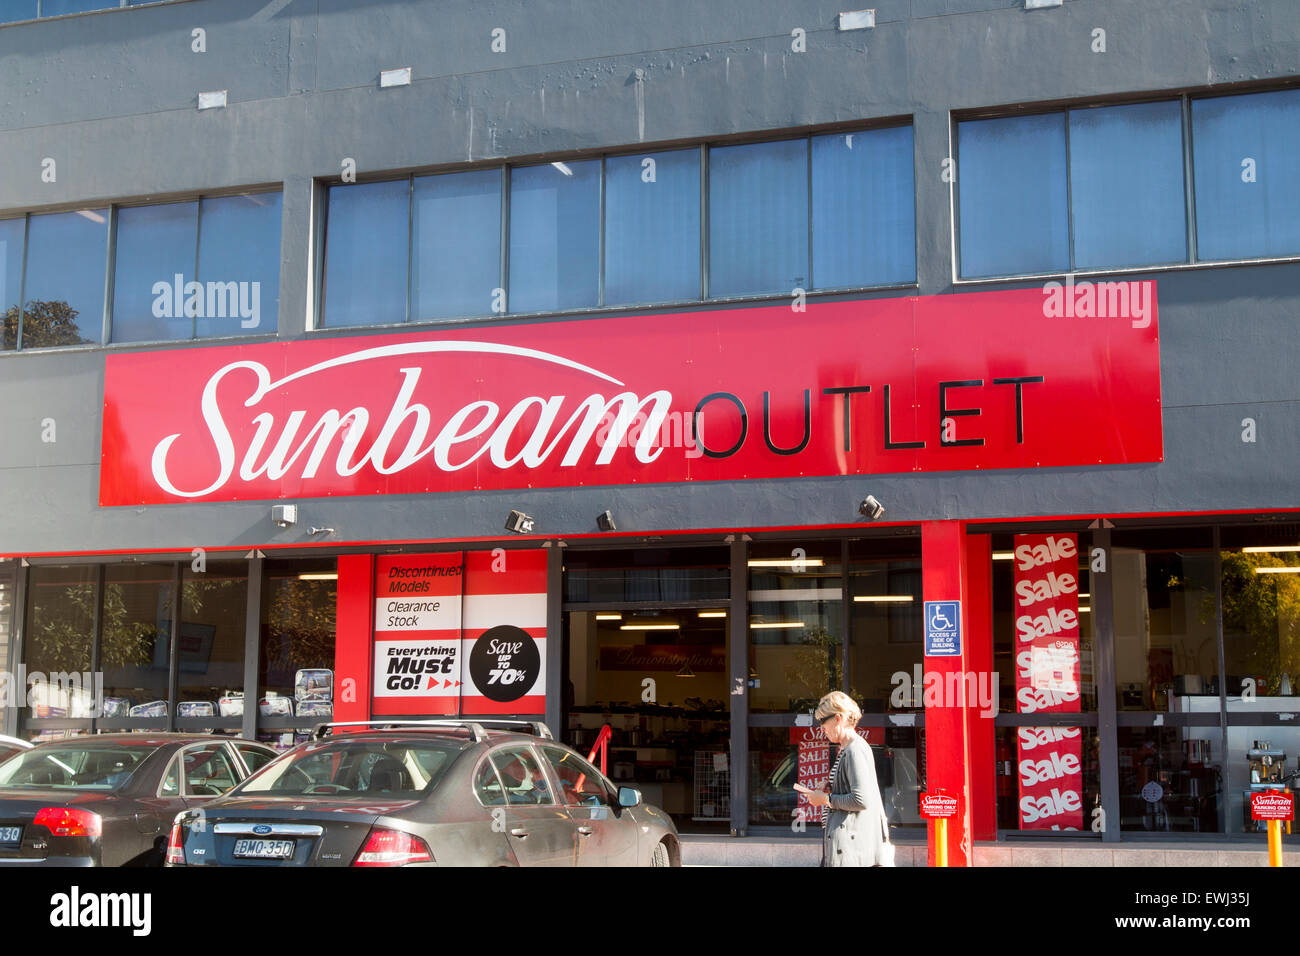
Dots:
pixel 286 516
pixel 399 77
pixel 871 508
pixel 519 523
pixel 857 20
pixel 605 521
pixel 214 100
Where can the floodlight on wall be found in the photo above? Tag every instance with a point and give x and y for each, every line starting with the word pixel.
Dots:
pixel 605 521
pixel 285 516
pixel 399 77
pixel 519 523
pixel 1041 4
pixel 871 508
pixel 212 101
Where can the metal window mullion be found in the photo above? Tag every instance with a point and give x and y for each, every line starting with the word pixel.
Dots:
pixel 600 255
pixel 1223 678
pixel 846 610
pixel 9 717
pixel 410 243
pixel 1069 192
pixel 106 323
pixel 96 634
pixel 557 655
pixel 704 221
pixel 1189 182
pixel 252 646
pixel 505 237
pixel 808 280
pixel 173 649
pixel 738 661
pixel 1103 648
pixel 22 283
pixel 198 244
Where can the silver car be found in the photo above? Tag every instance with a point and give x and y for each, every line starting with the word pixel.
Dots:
pixel 437 792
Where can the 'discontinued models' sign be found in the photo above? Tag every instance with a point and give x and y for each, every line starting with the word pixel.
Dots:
pixel 941 383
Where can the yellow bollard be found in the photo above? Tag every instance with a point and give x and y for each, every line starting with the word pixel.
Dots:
pixel 1274 842
pixel 941 842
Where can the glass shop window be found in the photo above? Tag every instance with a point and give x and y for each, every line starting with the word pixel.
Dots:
pixel 295 674
pixel 555 236
pixel 796 625
pixel 1166 640
pixel 135 643
pixel 863 208
pixel 652 227
pixel 1171 779
pixel 1247 193
pixel 58 637
pixel 1047 778
pixel 886 618
pixel 758 218
pixel 210 639
pixel 63 291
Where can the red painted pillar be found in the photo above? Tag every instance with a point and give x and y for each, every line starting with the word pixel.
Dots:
pixel 979 618
pixel 947 719
pixel 353 639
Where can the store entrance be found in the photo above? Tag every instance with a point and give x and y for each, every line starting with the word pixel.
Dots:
pixel 648 657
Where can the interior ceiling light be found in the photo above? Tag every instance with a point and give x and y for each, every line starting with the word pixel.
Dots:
pixel 1267 549
pixel 713 614
pixel 650 627
pixel 1277 570
pixel 609 617
pixel 786 562
pixel 774 625
pixel 884 599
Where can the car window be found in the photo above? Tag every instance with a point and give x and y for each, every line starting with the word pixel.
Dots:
pixel 208 771
pixel 171 785
pixel 255 758
pixel 357 767
pixel 73 767
pixel 487 785
pixel 522 778
pixel 580 782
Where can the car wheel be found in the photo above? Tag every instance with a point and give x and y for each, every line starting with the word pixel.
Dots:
pixel 660 856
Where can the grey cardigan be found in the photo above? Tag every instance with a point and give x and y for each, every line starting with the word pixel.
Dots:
pixel 856 826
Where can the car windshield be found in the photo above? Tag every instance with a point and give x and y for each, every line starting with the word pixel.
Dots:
pixel 360 768
pixel 73 767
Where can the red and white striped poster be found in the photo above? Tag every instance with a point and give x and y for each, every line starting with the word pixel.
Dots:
pixel 503 646
pixel 1049 759
pixel 417 634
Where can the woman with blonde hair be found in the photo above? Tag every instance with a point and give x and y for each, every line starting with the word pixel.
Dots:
pixel 856 827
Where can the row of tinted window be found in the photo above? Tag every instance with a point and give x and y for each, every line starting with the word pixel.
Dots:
pixel 819 212
pixel 1106 187
pixel 198 269
pixel 11 10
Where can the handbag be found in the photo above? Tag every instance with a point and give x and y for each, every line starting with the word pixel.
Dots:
pixel 885 855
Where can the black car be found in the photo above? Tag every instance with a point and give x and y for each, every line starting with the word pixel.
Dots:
pixel 107 800
pixel 446 793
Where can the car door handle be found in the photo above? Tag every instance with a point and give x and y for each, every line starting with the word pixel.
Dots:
pixel 518 832
pixel 585 831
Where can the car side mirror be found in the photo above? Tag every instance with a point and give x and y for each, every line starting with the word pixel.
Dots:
pixel 629 797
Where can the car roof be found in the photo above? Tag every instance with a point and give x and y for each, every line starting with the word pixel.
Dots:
pixel 144 740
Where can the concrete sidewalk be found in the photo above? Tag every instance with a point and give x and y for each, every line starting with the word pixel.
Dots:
pixel 795 851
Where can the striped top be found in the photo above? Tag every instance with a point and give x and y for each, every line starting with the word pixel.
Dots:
pixel 826 811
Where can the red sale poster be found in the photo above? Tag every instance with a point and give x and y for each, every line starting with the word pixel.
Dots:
pixel 816 754
pixel 1049 759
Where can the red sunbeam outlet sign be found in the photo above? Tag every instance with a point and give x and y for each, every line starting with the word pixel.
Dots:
pixel 940 383
pixel 1050 764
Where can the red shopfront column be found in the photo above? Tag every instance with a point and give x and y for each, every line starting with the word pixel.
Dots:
pixel 948 723
pixel 353 640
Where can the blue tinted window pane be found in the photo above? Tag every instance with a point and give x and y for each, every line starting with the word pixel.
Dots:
pixel 863 208
pixel 1012 186
pixel 11 10
pixel 1126 185
pixel 52 8
pixel 1236 219
pixel 456 259
pixel 154 264
pixel 652 227
pixel 758 218
pixel 239 265
pixel 64 289
pixel 365 253
pixel 554 236
pixel 11 277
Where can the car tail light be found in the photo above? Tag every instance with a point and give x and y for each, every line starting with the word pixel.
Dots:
pixel 63 821
pixel 175 846
pixel 392 848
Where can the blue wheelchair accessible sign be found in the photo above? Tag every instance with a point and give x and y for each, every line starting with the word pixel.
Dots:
pixel 942 628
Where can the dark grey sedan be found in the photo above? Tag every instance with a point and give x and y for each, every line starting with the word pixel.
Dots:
pixel 443 793
pixel 107 800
